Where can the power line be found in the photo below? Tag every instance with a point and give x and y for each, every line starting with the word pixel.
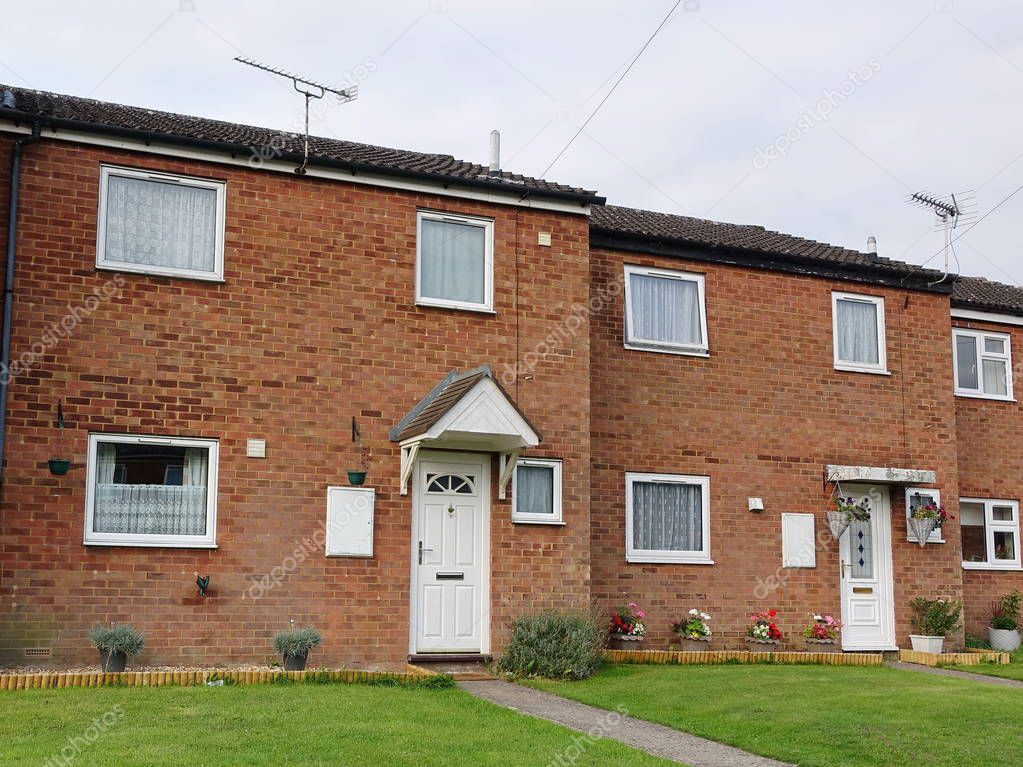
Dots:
pixel 613 87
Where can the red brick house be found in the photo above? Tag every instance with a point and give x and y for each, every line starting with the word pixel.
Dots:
pixel 555 401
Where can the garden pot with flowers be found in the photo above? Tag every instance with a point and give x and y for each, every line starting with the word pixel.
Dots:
pixel 694 631
pixel 626 629
pixel 925 519
pixel 822 634
pixel 847 510
pixel 1003 632
pixel 934 620
pixel 763 629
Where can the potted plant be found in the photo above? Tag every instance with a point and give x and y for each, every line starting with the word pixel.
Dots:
pixel 763 629
pixel 294 645
pixel 626 630
pixel 847 510
pixel 59 466
pixel 358 477
pixel 822 633
pixel 934 620
pixel 925 518
pixel 1003 633
pixel 693 631
pixel 115 644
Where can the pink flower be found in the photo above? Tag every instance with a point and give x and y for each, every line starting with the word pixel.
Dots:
pixel 640 614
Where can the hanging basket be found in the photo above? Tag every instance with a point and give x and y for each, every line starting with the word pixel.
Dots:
pixel 922 529
pixel 838 521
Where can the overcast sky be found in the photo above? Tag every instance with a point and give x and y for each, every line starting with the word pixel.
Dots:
pixel 812 118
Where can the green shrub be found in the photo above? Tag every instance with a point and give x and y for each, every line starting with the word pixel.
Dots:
pixel 117 639
pixel 977 643
pixel 296 642
pixel 1005 612
pixel 936 617
pixel 555 645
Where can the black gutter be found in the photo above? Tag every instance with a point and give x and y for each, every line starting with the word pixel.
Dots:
pixel 12 239
pixel 877 274
pixel 150 137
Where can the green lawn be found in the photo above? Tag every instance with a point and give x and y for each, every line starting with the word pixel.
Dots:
pixel 1012 671
pixel 817 715
pixel 284 725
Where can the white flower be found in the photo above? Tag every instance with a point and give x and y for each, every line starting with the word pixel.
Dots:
pixel 694 611
pixel 705 616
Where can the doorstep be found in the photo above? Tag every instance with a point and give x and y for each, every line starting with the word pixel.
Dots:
pixel 460 666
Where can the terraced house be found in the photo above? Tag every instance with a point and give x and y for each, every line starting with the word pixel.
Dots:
pixel 554 401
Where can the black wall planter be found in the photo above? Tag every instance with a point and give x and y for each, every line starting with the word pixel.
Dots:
pixel 59 466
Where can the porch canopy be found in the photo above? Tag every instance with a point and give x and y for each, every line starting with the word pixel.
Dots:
pixel 879 475
pixel 467 410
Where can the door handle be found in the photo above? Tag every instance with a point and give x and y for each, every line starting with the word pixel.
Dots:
pixel 845 566
pixel 421 550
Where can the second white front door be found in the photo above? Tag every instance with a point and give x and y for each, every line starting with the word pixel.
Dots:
pixel 868 607
pixel 450 569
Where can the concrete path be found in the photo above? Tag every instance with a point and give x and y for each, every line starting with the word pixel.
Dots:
pixel 995 680
pixel 655 739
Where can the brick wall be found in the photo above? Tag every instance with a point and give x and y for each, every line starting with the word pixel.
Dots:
pixel 990 433
pixel 315 324
pixel 762 417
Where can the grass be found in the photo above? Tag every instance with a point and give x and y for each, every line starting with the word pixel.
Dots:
pixel 816 715
pixel 284 725
pixel 1014 670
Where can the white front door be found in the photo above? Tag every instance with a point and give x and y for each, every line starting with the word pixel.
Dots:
pixel 450 554
pixel 868 606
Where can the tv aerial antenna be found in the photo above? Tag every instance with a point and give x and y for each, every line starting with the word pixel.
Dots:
pixel 311 90
pixel 949 212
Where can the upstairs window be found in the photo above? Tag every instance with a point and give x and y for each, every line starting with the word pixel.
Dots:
pixel 990 531
pixel 858 330
pixel 665 311
pixel 158 223
pixel 667 518
pixel 536 492
pixel 983 364
pixel 454 261
pixel 151 491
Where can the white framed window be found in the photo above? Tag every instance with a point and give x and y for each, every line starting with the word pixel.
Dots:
pixel 454 261
pixel 982 363
pixel 665 311
pixel 919 496
pixel 151 491
pixel 858 333
pixel 536 492
pixel 990 530
pixel 159 223
pixel 667 518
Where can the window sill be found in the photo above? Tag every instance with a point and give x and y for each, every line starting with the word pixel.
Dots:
pixel 548 522
pixel 974 395
pixel 426 304
pixel 152 544
pixel 668 350
pixel 989 566
pixel 151 272
pixel 654 560
pixel 870 371
pixel 929 540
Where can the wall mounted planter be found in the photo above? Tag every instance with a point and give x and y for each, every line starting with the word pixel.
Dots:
pixel 356 477
pixel 838 522
pixel 922 528
pixel 59 466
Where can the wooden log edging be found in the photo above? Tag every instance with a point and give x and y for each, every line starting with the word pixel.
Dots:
pixel 953 658
pixel 59 680
pixel 717 657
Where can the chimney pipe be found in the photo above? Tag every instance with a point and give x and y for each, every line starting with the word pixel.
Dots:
pixel 495 152
pixel 872 245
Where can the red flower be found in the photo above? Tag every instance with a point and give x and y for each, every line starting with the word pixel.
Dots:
pixel 772 613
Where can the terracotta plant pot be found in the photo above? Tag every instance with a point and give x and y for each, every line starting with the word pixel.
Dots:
pixel 695 645
pixel 822 645
pixel 112 662
pixel 295 662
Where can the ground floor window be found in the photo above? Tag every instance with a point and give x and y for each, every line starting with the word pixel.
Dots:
pixel 990 530
pixel 667 518
pixel 151 491
pixel 536 491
